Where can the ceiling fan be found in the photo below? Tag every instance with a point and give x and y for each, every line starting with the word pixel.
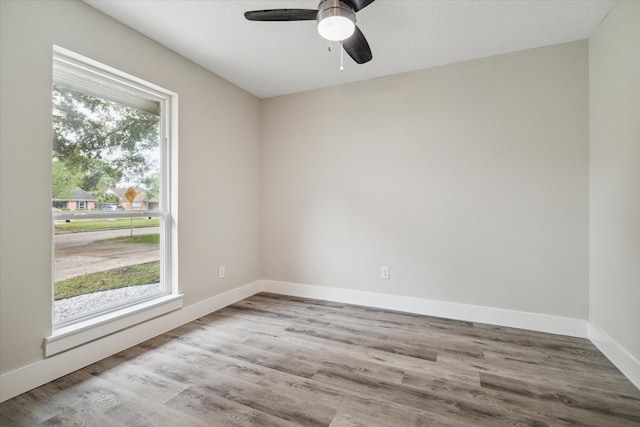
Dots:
pixel 336 22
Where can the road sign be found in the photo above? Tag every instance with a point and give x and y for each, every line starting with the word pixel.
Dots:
pixel 130 194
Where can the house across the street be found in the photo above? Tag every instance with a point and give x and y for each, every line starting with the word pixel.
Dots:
pixel 80 200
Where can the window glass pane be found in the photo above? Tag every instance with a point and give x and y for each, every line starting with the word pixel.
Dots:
pixel 106 169
pixel 105 262
pixel 102 148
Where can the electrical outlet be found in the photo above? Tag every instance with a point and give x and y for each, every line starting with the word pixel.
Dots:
pixel 385 272
pixel 221 272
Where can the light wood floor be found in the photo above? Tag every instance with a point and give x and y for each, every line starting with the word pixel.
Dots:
pixel 281 361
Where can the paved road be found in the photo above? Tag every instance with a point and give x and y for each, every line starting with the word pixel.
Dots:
pixel 87 237
pixel 77 254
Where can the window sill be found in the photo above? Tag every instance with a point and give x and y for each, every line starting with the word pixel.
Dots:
pixel 71 336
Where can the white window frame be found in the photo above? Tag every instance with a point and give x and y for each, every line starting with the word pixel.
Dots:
pixel 68 335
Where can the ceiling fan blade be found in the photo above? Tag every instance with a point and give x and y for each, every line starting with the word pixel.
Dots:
pixel 282 15
pixel 357 47
pixel 357 5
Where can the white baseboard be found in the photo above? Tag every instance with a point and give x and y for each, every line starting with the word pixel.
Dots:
pixel 625 362
pixel 31 376
pixel 43 371
pixel 471 313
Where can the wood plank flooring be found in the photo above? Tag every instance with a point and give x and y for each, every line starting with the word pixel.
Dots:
pixel 273 360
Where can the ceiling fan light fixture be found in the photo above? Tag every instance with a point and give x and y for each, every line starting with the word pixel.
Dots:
pixel 336 20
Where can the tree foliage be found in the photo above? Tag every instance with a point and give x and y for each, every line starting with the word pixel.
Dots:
pixel 102 141
pixel 108 198
pixel 152 185
pixel 65 181
pixel 99 177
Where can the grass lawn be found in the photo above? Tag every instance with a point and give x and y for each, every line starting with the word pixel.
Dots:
pixel 78 225
pixel 140 274
pixel 145 238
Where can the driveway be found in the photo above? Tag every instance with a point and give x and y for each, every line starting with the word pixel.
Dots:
pixel 77 254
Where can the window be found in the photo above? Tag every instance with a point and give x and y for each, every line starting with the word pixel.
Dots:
pixel 111 143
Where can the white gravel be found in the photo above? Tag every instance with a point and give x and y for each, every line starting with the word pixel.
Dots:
pixel 66 308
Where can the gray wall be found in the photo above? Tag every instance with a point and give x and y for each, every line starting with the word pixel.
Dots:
pixel 614 66
pixel 469 180
pixel 218 163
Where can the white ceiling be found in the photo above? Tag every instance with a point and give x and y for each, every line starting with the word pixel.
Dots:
pixel 276 58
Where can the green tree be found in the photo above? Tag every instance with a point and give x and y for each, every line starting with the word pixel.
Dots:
pixel 99 177
pixel 152 185
pixel 65 181
pixel 108 198
pixel 104 141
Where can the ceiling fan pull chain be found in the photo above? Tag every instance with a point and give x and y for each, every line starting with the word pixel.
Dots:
pixel 341 61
